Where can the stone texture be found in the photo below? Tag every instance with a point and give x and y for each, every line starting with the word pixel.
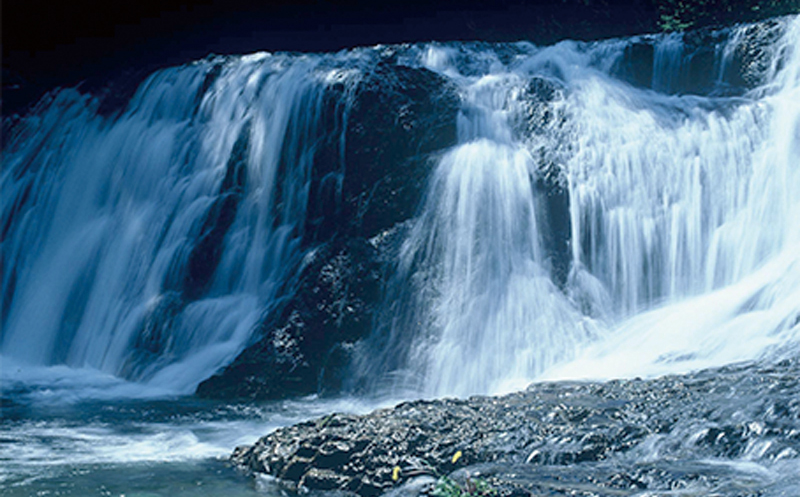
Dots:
pixel 305 347
pixel 567 438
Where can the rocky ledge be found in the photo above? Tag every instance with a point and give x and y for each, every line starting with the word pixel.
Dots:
pixel 568 438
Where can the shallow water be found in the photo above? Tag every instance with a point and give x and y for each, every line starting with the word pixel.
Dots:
pixel 59 438
pixel 731 431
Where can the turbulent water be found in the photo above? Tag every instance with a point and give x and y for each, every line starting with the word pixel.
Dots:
pixel 611 209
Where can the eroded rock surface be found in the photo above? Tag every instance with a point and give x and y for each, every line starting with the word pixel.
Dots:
pixel 615 438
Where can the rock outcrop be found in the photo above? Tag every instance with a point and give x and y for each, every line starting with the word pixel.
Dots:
pixel 305 345
pixel 397 118
pixel 568 438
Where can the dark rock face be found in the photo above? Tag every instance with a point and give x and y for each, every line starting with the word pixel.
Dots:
pixel 205 255
pixel 701 67
pixel 155 333
pixel 554 438
pixel 305 346
pixel 397 118
pixel 751 59
pixel 539 120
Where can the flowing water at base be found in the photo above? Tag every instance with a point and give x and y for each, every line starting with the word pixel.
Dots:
pixel 731 431
pixel 605 213
pixel 70 433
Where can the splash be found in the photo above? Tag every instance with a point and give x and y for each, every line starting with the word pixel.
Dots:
pixel 618 208
pixel 681 216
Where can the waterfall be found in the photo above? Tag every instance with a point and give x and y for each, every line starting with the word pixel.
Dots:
pixel 686 209
pixel 615 208
pixel 682 215
pixel 148 244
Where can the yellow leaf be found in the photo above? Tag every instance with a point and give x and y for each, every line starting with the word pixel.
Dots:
pixel 457 456
pixel 396 473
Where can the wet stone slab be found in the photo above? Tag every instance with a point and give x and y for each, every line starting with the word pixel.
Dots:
pixel 726 431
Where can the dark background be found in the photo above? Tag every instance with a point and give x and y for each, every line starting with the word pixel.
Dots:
pixel 48 43
pixel 61 33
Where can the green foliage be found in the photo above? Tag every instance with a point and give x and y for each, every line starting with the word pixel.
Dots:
pixel 478 487
pixel 679 15
pixel 673 22
pixel 446 486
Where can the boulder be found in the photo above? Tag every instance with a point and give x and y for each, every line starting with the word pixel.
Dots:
pixel 304 347
pixel 398 118
pixel 540 121
pixel 735 72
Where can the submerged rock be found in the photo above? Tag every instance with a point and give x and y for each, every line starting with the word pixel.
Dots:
pixel 566 438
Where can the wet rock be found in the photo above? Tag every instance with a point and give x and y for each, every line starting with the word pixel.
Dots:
pixel 323 479
pixel 154 337
pixel 205 255
pixel 370 173
pixel 539 123
pixel 400 116
pixel 636 63
pixel 397 118
pixel 752 58
pixel 738 66
pixel 568 438
pixel 306 346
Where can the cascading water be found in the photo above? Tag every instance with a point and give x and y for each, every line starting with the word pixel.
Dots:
pixel 686 207
pixel 148 244
pixel 683 211
pixel 486 314
pixel 610 209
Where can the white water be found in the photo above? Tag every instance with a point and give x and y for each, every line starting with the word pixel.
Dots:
pixel 698 205
pixel 684 248
pixel 684 211
pixel 64 435
pixel 113 207
pixel 499 313
pixel 685 223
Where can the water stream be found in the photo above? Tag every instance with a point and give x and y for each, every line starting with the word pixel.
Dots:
pixel 604 214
